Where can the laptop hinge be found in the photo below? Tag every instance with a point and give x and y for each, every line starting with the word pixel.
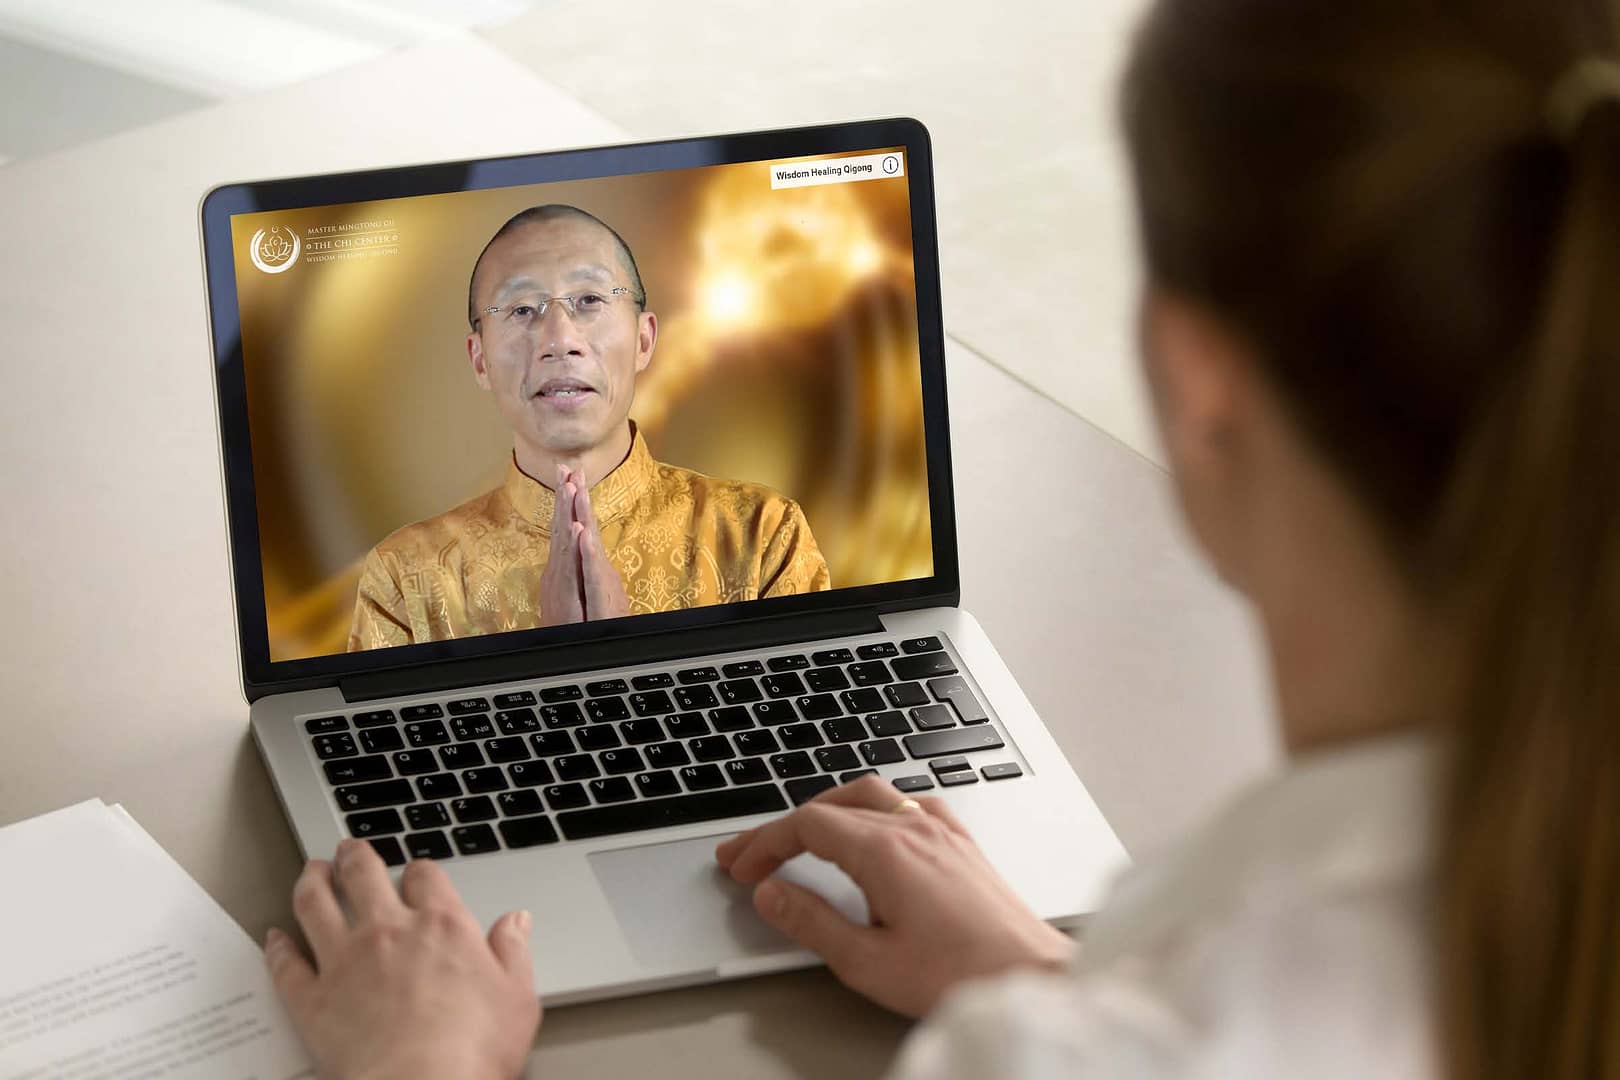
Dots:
pixel 610 653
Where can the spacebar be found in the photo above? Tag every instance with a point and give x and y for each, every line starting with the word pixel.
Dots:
pixel 675 810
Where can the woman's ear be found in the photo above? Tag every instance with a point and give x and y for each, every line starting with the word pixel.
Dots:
pixel 1197 372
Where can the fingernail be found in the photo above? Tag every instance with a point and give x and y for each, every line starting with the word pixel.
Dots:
pixel 525 922
pixel 773 897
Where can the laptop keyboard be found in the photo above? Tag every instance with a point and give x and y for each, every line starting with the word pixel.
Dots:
pixel 592 758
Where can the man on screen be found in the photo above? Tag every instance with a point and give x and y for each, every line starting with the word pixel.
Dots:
pixel 588 525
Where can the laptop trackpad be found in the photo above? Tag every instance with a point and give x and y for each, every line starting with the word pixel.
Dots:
pixel 677 908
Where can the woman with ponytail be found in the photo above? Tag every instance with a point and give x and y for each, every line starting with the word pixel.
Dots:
pixel 1381 327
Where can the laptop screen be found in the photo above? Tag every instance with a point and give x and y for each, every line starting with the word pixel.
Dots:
pixel 491 411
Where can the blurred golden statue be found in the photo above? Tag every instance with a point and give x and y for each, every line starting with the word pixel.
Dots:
pixel 587 525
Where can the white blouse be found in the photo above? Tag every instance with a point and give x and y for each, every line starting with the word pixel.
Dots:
pixel 1286 939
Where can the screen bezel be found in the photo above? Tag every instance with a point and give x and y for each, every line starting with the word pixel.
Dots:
pixel 261 675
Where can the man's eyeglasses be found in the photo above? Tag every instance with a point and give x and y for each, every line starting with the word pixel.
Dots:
pixel 526 312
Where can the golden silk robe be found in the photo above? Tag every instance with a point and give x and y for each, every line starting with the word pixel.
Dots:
pixel 679 539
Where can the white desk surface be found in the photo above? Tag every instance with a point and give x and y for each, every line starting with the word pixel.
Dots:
pixel 120 673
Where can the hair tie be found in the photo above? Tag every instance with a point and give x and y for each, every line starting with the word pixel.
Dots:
pixel 1583 85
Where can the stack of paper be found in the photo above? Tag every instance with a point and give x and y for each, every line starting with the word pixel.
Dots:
pixel 115 963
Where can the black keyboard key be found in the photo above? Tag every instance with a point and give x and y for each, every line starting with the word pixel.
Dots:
pixel 415 762
pixel 677 810
pixel 619 762
pixel 807 788
pixel 607 688
pixel 575 767
pixel 530 774
pixel 819 707
pixel 601 737
pixel 461 756
pixel 566 715
pixel 517 721
pixel 870 673
pixel 781 686
pixel 687 725
pixel 702 777
pixel 788 663
pixel 611 789
pixel 771 713
pixel 553 694
pixel 854 775
pixel 747 771
pixel 374 718
pixel 475 839
pixel 949 764
pixel 923 666
pixel 653 784
pixel 514 700
pixel 876 650
pixel 957 779
pixel 824 680
pixel 1005 771
pixel 839 758
pixel 862 701
pixel 429 711
pixel 799 736
pixel 426 733
pixel 712 748
pixel 827 657
pixel 843 729
pixel 888 724
pixel 507 748
pixel 371 796
pixel 920 645
pixel 742 669
pixel 566 796
pixel 474 808
pixel 913 783
pixel 438 786
pixel 695 697
pixel 791 764
pixel 698 675
pixel 667 755
pixel 932 717
pixel 645 730
pixel 658 680
pixel 954 689
pixel 357 770
pixel 517 803
pixel 730 718
pixel 756 742
pixel 374 823
pixel 326 725
pixel 653 703
pixel 739 691
pixel 388 848
pixel 428 845
pixel 953 741
pixel 528 832
pixel 905 695
pixel 489 778
pixel 472 727
pixel 427 816
pixel 881 752
pixel 381 740
pixel 467 706
pixel 340 745
pixel 607 710
pixel 551 743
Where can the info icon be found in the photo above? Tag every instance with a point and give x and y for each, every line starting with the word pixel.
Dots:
pixel 891 164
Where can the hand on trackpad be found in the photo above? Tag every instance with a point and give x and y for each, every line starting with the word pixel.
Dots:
pixel 677 908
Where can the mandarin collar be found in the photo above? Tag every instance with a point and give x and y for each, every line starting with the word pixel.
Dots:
pixel 611 497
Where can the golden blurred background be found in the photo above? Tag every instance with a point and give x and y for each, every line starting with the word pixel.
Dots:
pixel 787 355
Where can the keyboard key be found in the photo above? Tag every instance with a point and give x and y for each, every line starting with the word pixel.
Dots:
pixel 566 715
pixel 739 691
pixel 566 796
pixel 426 733
pixel 489 778
pixel 340 745
pixel 913 783
pixel 949 764
pixel 607 688
pixel 698 675
pixel 807 788
pixel 575 767
pixel 612 789
pixel 667 755
pixel 923 666
pixel 695 697
pixel 376 718
pixel 877 650
pixel 607 710
pixel 517 721
pixel 428 845
pixel 439 786
pixel 619 762
pixel 652 784
pixel 677 810
pixel 828 657
pixel 770 713
pixel 658 680
pixel 953 741
pixel 781 686
pixel 381 740
pixel 372 796
pixel 854 775
pixel 823 680
pixel 654 703
pixel 843 729
pixel 702 777
pixel 957 779
pixel 712 748
pixel 862 701
pixel 839 758
pixel 553 694
pixel 528 832
pixel 461 755
pixel 427 816
pixel 881 751
pixel 920 645
pixel 791 764
pixel 687 725
pixel 472 727
pixel 819 707
pixel 905 695
pixel 601 737
pixel 746 771
pixel 787 663
pixel 799 736
pixel 756 742
pixel 514 700
pixel 954 689
pixel 388 848
pixel 1005 771
pixel 357 770
pixel 473 808
pixel 415 762
pixel 325 725
pixel 870 673
pixel 933 717
pixel 645 730
pixel 514 803
pixel 730 718
pixel 468 706
pixel 429 711
pixel 887 724
pixel 551 743
pixel 475 839
pixel 374 823
pixel 530 774
pixel 509 748
pixel 742 668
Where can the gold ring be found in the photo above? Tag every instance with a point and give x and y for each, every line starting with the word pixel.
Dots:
pixel 904 805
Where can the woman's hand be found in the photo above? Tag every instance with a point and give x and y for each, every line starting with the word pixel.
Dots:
pixel 940 913
pixel 408 987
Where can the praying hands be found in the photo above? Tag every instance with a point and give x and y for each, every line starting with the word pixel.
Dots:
pixel 579 583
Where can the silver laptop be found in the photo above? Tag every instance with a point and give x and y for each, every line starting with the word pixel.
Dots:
pixel 589 507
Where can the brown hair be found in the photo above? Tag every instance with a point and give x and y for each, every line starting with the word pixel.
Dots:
pixel 1429 271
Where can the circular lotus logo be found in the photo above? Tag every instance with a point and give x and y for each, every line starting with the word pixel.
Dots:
pixel 273 250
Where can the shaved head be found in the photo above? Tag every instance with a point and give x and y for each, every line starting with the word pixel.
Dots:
pixel 541 215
